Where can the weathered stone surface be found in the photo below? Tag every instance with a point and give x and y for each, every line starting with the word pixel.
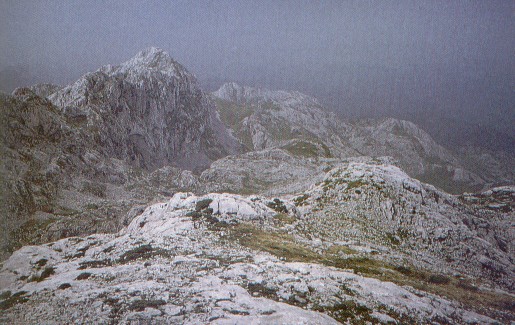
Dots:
pixel 263 118
pixel 150 112
pixel 309 234
pixel 172 266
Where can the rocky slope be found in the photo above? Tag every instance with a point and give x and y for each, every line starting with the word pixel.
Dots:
pixel 44 158
pixel 319 228
pixel 226 259
pixel 263 118
pixel 75 159
pixel 148 111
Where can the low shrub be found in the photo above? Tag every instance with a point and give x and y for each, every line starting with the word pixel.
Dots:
pixel 140 305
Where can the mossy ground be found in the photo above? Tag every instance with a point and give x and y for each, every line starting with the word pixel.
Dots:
pixel 286 247
pixel 302 149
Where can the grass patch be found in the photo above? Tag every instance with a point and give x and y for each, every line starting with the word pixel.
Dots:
pixel 32 232
pixel 284 219
pixel 338 249
pixel 277 205
pixel 284 246
pixel 142 252
pixel 94 264
pixel 11 300
pixel 64 286
pixel 355 184
pixel 439 279
pixel 302 149
pixel 393 239
pixel 279 244
pixel 348 312
pixel 232 114
pixel 301 200
pixel 42 262
pixel 47 272
pixel 83 276
pixel 140 305
pixel 262 290
pixel 202 204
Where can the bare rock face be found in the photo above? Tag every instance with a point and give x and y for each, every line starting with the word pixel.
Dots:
pixel 416 152
pixel 45 90
pixel 231 259
pixel 76 159
pixel 264 119
pixel 148 111
pixel 338 233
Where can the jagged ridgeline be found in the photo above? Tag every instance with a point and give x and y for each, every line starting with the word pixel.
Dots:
pixel 242 205
pixel 71 154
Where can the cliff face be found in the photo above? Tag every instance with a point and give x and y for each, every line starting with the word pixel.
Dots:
pixel 148 111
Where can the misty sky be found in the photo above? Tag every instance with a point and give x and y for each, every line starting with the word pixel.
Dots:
pixel 413 59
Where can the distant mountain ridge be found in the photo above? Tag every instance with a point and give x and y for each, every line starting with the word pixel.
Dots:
pixel 263 118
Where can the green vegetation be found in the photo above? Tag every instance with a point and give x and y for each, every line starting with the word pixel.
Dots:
pixel 442 178
pixel 338 249
pixel 269 106
pixel 202 210
pixel 48 271
pixel 286 247
pixel 262 290
pixel 355 184
pixel 94 264
pixel 10 300
pixel 280 129
pixel 284 219
pixel 91 206
pixel 279 244
pixel 348 312
pixel 277 205
pixel 202 204
pixel 142 252
pixel 393 239
pixel 64 286
pixel 300 200
pixel 232 114
pixel 302 149
pixel 140 305
pixel 439 279
pixel 83 276
pixel 327 151
pixel 33 231
pixel 42 262
pixel 94 188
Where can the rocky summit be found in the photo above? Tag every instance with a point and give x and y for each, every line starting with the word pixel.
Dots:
pixel 148 111
pixel 132 196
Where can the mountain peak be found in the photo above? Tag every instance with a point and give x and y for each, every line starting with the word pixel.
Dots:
pixel 155 59
pixel 152 54
pixel 152 57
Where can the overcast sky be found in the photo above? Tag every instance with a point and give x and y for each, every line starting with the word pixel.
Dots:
pixel 362 58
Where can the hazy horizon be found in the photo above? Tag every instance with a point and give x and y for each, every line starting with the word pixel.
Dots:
pixel 413 60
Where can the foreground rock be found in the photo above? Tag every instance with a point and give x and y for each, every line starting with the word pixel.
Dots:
pixel 224 259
